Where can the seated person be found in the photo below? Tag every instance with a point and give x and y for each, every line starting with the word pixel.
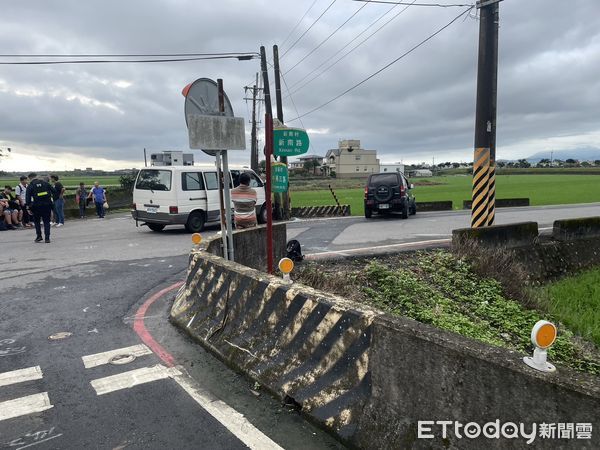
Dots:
pixel 14 204
pixel 8 215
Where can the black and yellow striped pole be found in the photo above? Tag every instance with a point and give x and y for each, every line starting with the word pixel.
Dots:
pixel 484 162
pixel 480 207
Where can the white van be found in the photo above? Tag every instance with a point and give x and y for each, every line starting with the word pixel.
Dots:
pixel 186 195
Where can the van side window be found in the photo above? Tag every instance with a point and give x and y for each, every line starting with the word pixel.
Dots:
pixel 192 181
pixel 211 180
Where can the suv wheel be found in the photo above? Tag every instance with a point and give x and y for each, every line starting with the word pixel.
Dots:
pixel 413 209
pixel 404 213
pixel 368 213
pixel 195 222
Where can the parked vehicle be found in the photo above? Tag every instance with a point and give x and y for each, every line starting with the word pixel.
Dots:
pixel 186 195
pixel 387 193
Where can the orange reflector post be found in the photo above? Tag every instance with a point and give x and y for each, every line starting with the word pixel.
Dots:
pixel 196 238
pixel 543 334
pixel 286 265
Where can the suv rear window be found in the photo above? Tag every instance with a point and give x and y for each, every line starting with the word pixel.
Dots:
pixel 384 178
pixel 154 180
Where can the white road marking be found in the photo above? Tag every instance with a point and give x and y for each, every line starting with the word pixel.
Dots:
pixel 234 421
pixel 100 359
pixel 348 252
pixel 24 405
pixel 132 378
pixel 39 442
pixel 21 375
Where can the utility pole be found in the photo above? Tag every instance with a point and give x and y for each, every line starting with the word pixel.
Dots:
pixel 254 143
pixel 484 162
pixel 268 153
pixel 281 202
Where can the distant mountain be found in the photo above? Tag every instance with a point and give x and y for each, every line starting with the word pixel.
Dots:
pixel 580 154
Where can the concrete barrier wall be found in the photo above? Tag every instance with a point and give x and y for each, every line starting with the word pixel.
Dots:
pixel 445 205
pixel 301 344
pixel 506 236
pixel 367 376
pixel 574 229
pixel 250 246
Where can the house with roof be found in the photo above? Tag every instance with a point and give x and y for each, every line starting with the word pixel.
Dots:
pixel 349 160
pixel 301 163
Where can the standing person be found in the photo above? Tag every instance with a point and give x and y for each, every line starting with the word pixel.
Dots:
pixel 99 195
pixel 20 191
pixel 39 201
pixel 59 201
pixel 244 203
pixel 80 198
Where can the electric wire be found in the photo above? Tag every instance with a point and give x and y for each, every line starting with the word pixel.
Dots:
pixel 120 55
pixel 309 28
pixel 120 61
pixel 436 5
pixel 299 22
pixel 328 37
pixel 431 36
pixel 330 66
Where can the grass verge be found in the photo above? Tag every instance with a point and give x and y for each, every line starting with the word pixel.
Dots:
pixel 440 289
pixel 576 300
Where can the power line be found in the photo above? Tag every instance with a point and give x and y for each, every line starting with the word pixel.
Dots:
pixel 297 24
pixel 351 50
pixel 437 5
pixel 123 55
pixel 119 61
pixel 309 28
pixel 328 37
pixel 386 66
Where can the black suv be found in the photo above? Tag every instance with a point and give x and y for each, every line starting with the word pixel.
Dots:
pixel 389 192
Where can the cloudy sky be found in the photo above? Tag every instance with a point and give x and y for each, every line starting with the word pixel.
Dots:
pixel 422 107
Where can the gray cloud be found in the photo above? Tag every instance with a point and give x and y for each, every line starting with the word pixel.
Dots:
pixel 423 106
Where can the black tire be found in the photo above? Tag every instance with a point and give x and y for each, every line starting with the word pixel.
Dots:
pixel 404 213
pixel 156 227
pixel 368 213
pixel 262 215
pixel 195 222
pixel 413 209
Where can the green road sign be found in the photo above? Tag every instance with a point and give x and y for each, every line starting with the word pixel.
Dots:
pixel 290 141
pixel 279 177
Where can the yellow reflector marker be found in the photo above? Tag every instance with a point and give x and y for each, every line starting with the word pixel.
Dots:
pixel 196 238
pixel 286 265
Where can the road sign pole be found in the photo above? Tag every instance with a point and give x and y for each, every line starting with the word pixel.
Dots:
pixel 222 204
pixel 228 212
pixel 284 195
pixel 268 154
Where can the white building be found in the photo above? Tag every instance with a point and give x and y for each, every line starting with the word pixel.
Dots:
pixel 395 167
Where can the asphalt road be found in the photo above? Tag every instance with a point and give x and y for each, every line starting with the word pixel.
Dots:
pixel 97 281
pixel 331 236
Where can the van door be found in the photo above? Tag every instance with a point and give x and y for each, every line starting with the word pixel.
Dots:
pixel 213 203
pixel 193 194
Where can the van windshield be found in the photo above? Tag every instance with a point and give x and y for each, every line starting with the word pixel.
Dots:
pixel 154 180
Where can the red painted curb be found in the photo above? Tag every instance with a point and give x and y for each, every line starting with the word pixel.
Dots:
pixel 140 328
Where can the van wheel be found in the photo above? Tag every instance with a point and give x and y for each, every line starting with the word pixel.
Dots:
pixel 262 215
pixel 195 222
pixel 156 226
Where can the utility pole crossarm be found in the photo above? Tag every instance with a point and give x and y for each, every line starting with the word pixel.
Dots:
pixel 484 3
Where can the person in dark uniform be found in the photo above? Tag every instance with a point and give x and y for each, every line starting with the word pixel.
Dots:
pixel 39 201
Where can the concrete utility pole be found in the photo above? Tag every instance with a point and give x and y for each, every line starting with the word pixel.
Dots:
pixel 268 153
pixel 254 143
pixel 281 202
pixel 484 162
